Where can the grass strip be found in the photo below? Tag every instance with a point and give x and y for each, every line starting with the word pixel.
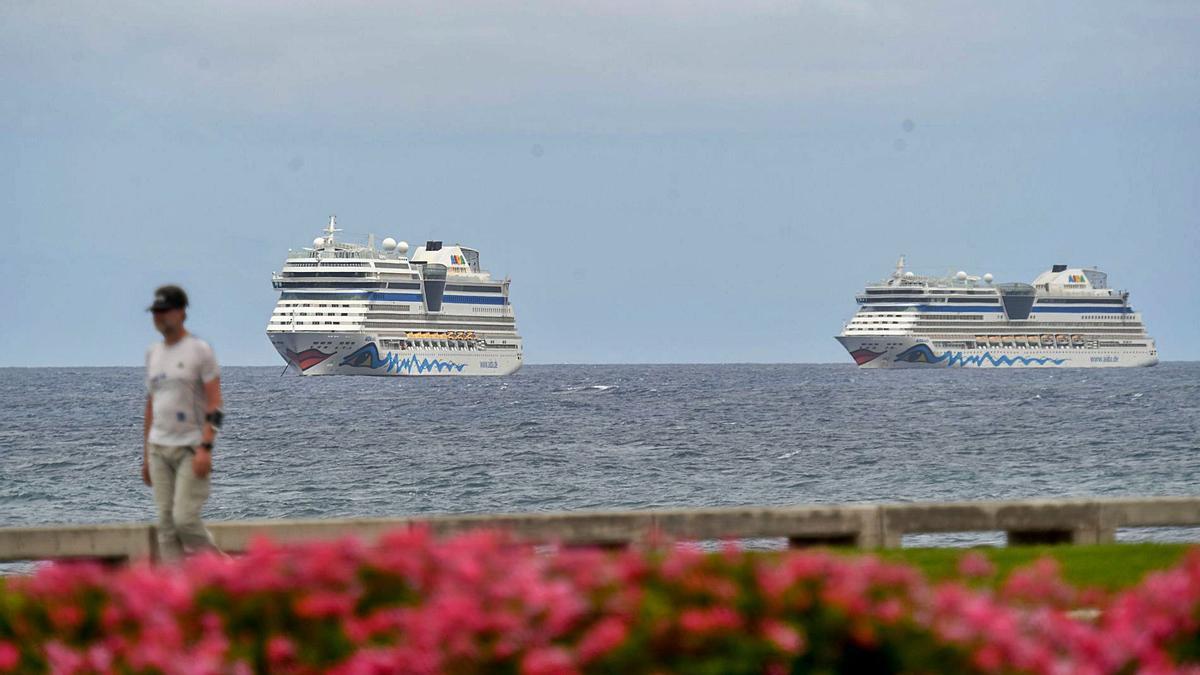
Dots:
pixel 1110 567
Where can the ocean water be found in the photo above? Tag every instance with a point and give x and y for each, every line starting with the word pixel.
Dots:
pixel 557 438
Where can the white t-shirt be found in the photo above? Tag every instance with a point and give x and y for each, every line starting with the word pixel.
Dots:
pixel 175 377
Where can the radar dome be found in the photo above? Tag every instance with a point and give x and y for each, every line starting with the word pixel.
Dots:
pixel 318 242
pixel 389 244
pixel 909 275
pixel 988 277
pixel 402 247
pixel 961 276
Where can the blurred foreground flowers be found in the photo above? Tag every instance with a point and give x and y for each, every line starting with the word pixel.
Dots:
pixel 481 603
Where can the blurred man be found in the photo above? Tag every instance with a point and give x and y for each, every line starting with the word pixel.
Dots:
pixel 183 413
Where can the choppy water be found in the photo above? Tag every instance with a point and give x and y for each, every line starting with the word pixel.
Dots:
pixel 584 437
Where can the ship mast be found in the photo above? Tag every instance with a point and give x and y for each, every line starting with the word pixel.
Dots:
pixel 331 229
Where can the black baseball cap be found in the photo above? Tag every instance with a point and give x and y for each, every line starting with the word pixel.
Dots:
pixel 168 297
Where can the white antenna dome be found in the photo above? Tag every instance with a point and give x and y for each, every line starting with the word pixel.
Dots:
pixel 389 244
pixel 988 277
pixel 961 276
pixel 318 242
pixel 402 248
pixel 909 275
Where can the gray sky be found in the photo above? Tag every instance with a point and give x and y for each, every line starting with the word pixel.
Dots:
pixel 678 182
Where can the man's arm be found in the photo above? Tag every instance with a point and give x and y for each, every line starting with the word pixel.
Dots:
pixel 202 461
pixel 147 421
pixel 212 403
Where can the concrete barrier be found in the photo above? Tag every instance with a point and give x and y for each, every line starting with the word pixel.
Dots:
pixel 104 542
pixel 867 526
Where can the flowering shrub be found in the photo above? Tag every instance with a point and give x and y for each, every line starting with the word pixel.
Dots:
pixel 480 603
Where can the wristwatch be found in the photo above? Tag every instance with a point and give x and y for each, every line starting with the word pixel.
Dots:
pixel 206 446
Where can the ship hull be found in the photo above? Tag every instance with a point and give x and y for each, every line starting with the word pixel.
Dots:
pixel 898 351
pixel 352 354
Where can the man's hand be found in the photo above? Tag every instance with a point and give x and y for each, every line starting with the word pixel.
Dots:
pixel 146 473
pixel 202 462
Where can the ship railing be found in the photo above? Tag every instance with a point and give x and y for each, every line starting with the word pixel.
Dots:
pixel 302 254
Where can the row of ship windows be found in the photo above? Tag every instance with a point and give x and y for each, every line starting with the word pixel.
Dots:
pixel 909 291
pixel 386 276
pixel 327 263
pixel 985 306
pixel 1036 326
pixel 974 301
pixel 1006 329
pixel 391 313
pixel 381 318
pixel 291 283
pixel 941 319
pixel 324 274
pixel 1047 324
pixel 346 284
pixel 430 344
pixel 441 344
pixel 995 303
pixel 1097 349
pixel 447 325
pixel 924 295
pixel 375 306
pixel 1105 330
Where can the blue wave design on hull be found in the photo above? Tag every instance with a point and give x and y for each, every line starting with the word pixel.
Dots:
pixel 923 354
pixel 368 356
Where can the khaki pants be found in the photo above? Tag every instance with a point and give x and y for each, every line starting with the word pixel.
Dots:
pixel 180 495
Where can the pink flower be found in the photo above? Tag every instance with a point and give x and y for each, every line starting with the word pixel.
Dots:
pixel 602 638
pixel 975 565
pixel 709 620
pixel 784 637
pixel 324 604
pixel 548 661
pixel 280 650
pixel 63 659
pixel 890 610
pixel 10 656
pixel 989 658
pixel 66 617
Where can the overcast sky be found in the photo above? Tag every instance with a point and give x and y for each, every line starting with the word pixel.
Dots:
pixel 670 182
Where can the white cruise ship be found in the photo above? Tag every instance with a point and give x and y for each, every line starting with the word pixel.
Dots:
pixel 1068 318
pixel 346 309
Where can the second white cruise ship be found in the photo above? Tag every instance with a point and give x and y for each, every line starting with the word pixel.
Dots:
pixel 1068 317
pixel 347 309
